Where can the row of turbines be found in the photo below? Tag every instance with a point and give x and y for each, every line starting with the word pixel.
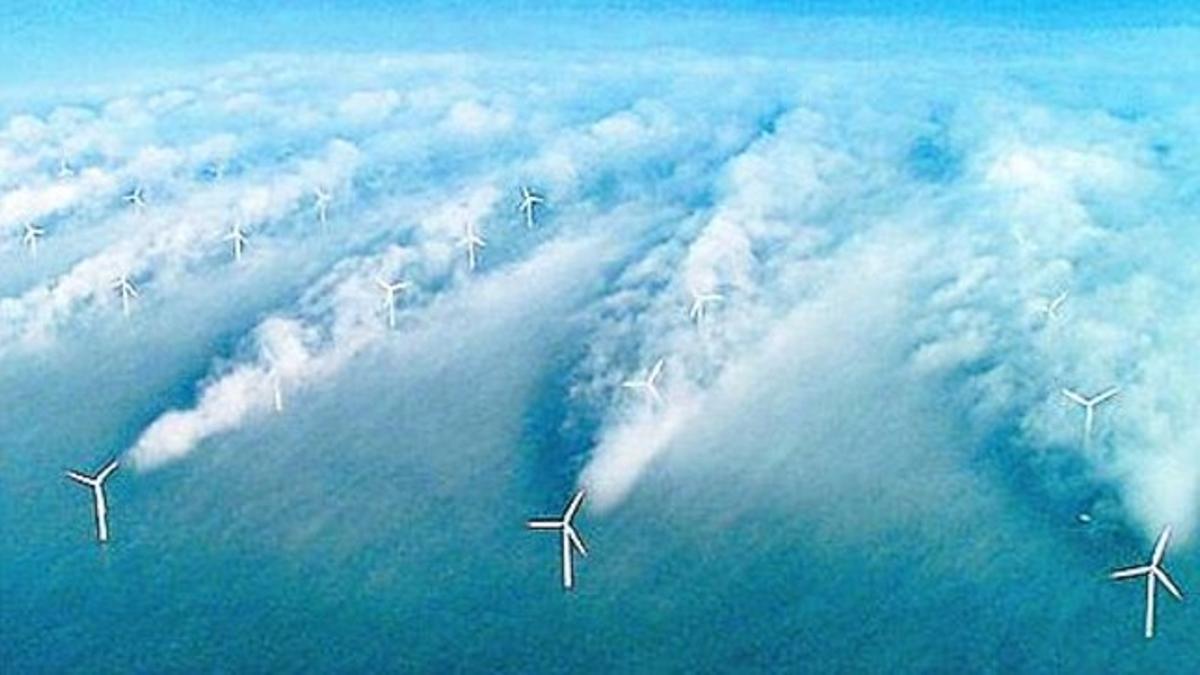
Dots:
pixel 571 542
pixel 125 288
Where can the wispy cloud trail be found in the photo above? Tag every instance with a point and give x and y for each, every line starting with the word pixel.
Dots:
pixel 963 203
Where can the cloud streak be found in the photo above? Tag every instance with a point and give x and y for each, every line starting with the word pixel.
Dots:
pixel 937 210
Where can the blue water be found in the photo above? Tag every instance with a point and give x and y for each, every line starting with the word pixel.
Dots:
pixel 863 464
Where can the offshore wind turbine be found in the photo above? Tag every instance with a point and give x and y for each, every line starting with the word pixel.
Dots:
pixel 1155 574
pixel 100 503
pixel 529 200
pixel 273 376
pixel 1089 406
pixel 321 200
pixel 473 242
pixel 216 170
pixel 389 296
pixel 649 384
pixel 700 303
pixel 124 286
pixel 31 236
pixel 136 199
pixel 1053 306
pixel 64 169
pixel 571 541
pixel 238 237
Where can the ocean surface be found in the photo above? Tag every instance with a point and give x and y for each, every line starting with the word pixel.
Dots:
pixel 918 234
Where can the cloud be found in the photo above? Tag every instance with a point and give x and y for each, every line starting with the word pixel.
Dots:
pixel 369 106
pixel 937 211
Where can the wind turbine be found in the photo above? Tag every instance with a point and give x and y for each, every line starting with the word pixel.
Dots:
pixel 1154 574
pixel 128 291
pixel 96 483
pixel 571 540
pixel 136 199
pixel 389 296
pixel 529 200
pixel 650 383
pixel 31 236
pixel 473 242
pixel 700 303
pixel 64 169
pixel 1051 310
pixel 321 200
pixel 216 170
pixel 276 384
pixel 1089 406
pixel 238 237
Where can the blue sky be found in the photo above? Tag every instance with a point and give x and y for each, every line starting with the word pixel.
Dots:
pixel 82 41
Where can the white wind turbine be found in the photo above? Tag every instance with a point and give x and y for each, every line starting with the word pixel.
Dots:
pixel 238 238
pixel 649 384
pixel 274 377
pixel 99 500
pixel 31 236
pixel 1155 574
pixel 1089 407
pixel 136 199
pixel 529 200
pixel 124 286
pixel 570 539
pixel 321 200
pixel 472 242
pixel 700 303
pixel 1053 307
pixel 389 296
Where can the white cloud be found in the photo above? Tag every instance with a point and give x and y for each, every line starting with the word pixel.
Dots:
pixel 937 213
pixel 476 119
pixel 369 106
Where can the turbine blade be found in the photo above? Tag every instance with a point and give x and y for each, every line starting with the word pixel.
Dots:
pixel 656 370
pixel 1075 397
pixel 543 524
pixel 80 478
pixel 108 469
pixel 1131 572
pixel 1160 546
pixel 1168 583
pixel 576 541
pixel 573 507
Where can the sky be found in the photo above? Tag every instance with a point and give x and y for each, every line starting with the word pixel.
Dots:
pixel 81 41
pixel 863 455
